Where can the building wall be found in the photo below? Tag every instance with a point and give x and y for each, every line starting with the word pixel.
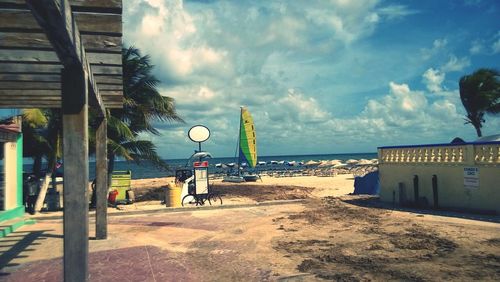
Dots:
pixel 10 174
pixel 13 185
pixel 19 170
pixel 447 162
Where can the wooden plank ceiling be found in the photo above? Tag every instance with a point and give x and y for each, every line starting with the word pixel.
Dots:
pixel 30 71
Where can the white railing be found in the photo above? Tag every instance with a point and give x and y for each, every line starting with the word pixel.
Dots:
pixel 427 154
pixel 487 153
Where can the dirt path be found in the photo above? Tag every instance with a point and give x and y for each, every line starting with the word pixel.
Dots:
pixel 339 241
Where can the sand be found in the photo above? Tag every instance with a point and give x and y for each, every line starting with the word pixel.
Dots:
pixel 270 188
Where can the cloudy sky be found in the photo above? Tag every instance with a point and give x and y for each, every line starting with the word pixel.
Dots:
pixel 333 76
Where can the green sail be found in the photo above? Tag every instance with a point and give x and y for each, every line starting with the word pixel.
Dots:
pixel 248 140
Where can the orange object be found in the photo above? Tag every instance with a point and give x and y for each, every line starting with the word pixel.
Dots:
pixel 112 196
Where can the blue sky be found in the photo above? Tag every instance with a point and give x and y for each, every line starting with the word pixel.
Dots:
pixel 318 77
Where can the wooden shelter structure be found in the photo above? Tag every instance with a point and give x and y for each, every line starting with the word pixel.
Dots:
pixel 67 54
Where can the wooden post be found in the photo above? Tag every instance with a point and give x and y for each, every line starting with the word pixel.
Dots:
pixel 76 173
pixel 101 222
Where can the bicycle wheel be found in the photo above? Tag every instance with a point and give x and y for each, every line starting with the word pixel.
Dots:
pixel 189 201
pixel 214 199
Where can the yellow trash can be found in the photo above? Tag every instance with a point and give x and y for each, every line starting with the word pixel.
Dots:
pixel 173 195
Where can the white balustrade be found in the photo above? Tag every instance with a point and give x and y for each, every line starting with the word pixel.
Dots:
pixel 487 154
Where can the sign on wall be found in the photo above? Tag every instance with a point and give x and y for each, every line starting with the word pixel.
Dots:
pixel 471 177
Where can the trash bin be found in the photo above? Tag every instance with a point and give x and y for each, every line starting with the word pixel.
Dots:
pixel 52 200
pixel 112 197
pixel 173 195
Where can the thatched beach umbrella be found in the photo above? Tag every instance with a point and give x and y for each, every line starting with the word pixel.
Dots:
pixel 351 161
pixel 364 162
pixel 324 164
pixel 312 163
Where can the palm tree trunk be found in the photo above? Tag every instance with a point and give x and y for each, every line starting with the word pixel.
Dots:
pixel 111 167
pixel 478 131
pixel 37 166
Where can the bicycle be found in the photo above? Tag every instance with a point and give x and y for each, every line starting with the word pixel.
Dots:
pixel 192 199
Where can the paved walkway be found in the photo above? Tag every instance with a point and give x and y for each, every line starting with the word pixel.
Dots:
pixel 234 243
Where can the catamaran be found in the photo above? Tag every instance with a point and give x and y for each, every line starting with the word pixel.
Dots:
pixel 246 150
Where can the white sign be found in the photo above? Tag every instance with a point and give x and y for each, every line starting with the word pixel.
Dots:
pixel 471 177
pixel 199 133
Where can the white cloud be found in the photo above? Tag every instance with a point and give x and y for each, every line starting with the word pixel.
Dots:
pixel 496 46
pixel 396 11
pixel 476 47
pixel 437 46
pixel 455 64
pixel 432 79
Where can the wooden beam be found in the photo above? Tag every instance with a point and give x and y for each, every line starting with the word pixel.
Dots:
pixel 88 23
pixel 30 85
pixel 39 41
pixel 52 68
pixel 49 57
pixel 24 99
pixel 47 93
pixel 58 22
pixel 30 68
pixel 101 228
pixel 104 6
pixel 30 77
pixel 76 173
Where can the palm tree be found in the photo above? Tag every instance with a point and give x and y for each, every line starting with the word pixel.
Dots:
pixel 42 130
pixel 143 106
pixel 480 94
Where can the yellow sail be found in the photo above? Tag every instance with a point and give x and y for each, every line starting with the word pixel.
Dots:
pixel 248 140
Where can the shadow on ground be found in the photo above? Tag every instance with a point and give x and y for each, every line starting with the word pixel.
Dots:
pixel 374 202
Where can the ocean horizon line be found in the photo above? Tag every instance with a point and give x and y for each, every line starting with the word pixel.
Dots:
pixel 280 156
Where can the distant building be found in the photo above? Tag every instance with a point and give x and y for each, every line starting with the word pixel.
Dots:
pixel 463 176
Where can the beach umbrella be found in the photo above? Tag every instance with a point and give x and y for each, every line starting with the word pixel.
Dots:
pixel 364 162
pixel 336 161
pixel 312 163
pixel 324 164
pixel 351 161
pixel 339 165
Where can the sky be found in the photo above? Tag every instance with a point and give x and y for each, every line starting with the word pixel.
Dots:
pixel 318 77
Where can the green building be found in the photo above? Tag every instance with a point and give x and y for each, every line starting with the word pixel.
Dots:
pixel 11 175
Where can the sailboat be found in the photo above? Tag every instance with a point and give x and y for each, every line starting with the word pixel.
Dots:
pixel 246 150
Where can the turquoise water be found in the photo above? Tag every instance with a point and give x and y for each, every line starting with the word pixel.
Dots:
pixel 147 170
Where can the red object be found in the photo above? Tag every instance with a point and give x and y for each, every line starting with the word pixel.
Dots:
pixel 112 196
pixel 201 164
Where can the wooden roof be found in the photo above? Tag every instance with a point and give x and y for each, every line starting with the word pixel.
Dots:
pixel 31 63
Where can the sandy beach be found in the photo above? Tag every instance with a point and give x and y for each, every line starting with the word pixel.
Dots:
pixel 149 191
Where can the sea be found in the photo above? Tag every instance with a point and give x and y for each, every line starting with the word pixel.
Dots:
pixel 148 170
